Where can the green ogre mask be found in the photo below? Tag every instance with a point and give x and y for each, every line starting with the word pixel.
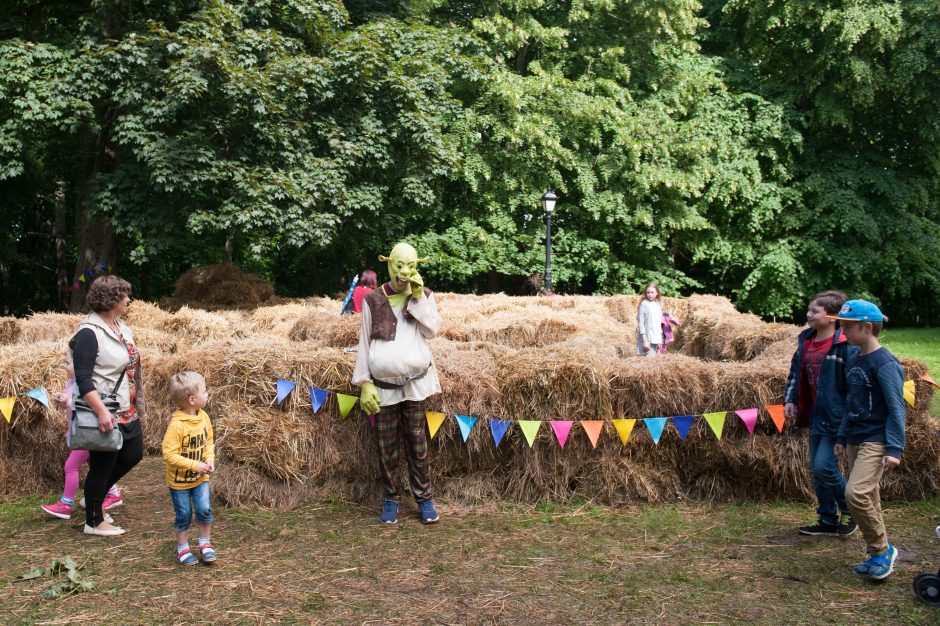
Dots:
pixel 402 265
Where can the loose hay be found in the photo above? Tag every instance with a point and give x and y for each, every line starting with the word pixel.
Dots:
pixel 498 357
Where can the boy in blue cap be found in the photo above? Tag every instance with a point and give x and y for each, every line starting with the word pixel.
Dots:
pixel 871 436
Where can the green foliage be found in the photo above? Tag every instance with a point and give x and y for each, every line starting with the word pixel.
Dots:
pixel 759 150
pixel 72 584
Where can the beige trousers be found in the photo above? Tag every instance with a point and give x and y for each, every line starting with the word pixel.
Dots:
pixel 863 495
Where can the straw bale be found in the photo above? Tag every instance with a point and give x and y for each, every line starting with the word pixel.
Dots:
pixel 9 330
pixel 222 286
pixel 328 330
pixel 48 326
pixel 714 330
pixel 279 320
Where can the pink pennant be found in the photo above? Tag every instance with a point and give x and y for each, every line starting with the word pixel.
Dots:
pixel 749 417
pixel 561 428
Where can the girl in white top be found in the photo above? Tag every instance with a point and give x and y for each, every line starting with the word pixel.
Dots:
pixel 649 321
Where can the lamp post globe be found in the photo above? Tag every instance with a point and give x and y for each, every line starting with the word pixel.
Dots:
pixel 548 205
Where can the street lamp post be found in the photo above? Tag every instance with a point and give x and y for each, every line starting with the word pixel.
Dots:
pixel 548 204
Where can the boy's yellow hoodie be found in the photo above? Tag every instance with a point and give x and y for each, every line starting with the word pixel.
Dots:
pixel 188 440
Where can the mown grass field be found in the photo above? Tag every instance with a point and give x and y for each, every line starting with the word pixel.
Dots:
pixel 917 343
pixel 331 562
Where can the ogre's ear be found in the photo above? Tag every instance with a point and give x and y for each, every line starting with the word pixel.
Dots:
pixel 423 260
pixel 383 258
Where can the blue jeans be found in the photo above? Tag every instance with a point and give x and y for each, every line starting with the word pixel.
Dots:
pixel 185 500
pixel 828 481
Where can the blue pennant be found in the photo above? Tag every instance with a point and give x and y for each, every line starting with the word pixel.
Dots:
pixel 284 387
pixel 498 428
pixel 683 424
pixel 318 397
pixel 466 425
pixel 655 425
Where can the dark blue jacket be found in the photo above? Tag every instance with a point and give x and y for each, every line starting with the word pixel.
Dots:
pixel 874 407
pixel 831 387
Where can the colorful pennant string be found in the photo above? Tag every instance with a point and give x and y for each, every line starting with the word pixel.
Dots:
pixel 716 421
pixel 317 398
pixel 6 407
pixel 776 414
pixel 910 393
pixel 593 429
pixel 346 403
pixel 624 428
pixel 284 387
pixel 39 394
pixel 530 428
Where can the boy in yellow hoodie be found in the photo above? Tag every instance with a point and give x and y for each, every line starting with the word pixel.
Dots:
pixel 190 457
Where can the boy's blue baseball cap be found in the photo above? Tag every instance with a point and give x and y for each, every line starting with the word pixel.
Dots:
pixel 859 311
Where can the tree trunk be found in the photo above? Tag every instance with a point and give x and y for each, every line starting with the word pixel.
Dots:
pixel 61 249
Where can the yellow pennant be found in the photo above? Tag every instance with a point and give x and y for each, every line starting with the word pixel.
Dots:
pixel 6 406
pixel 530 428
pixel 716 421
pixel 346 403
pixel 435 420
pixel 909 392
pixel 624 428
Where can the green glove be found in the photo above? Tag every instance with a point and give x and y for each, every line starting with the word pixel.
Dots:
pixel 369 398
pixel 417 285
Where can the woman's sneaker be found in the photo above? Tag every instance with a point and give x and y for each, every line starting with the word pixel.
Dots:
pixel 59 509
pixel 847 525
pixel 819 529
pixel 428 514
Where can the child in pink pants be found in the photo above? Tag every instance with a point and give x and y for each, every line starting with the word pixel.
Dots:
pixel 63 507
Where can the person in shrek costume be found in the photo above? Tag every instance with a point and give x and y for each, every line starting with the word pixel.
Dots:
pixel 396 373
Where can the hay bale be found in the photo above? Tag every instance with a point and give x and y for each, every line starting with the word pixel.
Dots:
pixel 9 330
pixel 222 286
pixel 48 327
pixel 327 330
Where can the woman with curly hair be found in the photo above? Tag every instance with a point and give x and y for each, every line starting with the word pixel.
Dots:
pixel 103 349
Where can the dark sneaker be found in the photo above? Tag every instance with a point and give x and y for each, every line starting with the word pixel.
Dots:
pixel 389 512
pixel 847 525
pixel 883 564
pixel 820 530
pixel 428 514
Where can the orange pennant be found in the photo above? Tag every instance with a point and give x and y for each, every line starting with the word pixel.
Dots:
pixel 593 430
pixel 776 413
pixel 928 379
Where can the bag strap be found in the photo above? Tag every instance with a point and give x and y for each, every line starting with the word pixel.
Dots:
pixel 118 384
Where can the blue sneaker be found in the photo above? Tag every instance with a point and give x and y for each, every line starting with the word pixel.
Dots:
pixel 428 514
pixel 883 564
pixel 389 512
pixel 864 568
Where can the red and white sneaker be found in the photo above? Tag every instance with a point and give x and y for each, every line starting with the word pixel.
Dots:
pixel 59 509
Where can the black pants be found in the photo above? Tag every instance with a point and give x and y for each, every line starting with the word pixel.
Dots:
pixel 106 468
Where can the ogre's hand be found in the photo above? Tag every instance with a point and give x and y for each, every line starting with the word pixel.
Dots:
pixel 417 285
pixel 369 398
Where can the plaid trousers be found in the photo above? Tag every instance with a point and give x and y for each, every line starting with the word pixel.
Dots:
pixel 390 422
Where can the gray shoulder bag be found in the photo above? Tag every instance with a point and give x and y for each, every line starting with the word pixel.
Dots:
pixel 84 434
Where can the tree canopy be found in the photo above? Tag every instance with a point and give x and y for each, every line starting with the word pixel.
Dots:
pixel 759 150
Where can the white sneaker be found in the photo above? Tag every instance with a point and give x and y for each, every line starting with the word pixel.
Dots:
pixel 104 532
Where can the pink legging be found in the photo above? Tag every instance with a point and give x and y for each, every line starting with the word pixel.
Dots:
pixel 72 466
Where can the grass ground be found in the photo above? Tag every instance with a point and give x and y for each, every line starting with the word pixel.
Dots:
pixel 332 563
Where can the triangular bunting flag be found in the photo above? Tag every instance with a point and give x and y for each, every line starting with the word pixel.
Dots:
pixel 346 403
pixel 561 428
pixel 624 428
pixel 6 406
pixel 593 429
pixel 909 392
pixel 928 379
pixel 530 428
pixel 776 414
pixel 655 425
pixel 716 421
pixel 284 387
pixel 39 394
pixel 435 419
pixel 498 428
pixel 683 423
pixel 318 397
pixel 749 417
pixel 466 425
pixel 81 278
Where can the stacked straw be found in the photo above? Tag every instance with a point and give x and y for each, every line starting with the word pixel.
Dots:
pixel 498 357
